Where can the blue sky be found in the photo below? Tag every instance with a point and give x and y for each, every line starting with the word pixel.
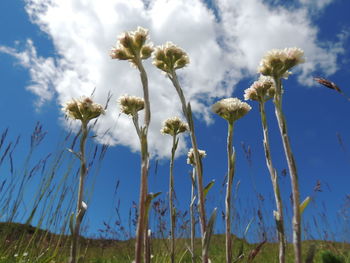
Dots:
pixel 52 53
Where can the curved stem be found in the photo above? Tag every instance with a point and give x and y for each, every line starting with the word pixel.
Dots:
pixel 199 172
pixel 274 179
pixel 292 170
pixel 79 210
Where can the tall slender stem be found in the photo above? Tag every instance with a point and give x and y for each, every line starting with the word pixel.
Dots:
pixel 79 210
pixel 199 172
pixel 171 202
pixel 230 175
pixel 292 170
pixel 274 179
pixel 193 220
pixel 142 219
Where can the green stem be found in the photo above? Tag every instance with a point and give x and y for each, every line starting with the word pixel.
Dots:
pixel 230 175
pixel 142 219
pixel 274 179
pixel 192 214
pixel 199 172
pixel 171 202
pixel 292 170
pixel 79 210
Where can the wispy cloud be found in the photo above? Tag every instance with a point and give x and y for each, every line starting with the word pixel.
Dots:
pixel 43 72
pixel 222 50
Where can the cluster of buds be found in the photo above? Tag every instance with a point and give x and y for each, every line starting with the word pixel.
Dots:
pixel 132 46
pixel 170 57
pixel 190 156
pixel 130 105
pixel 83 109
pixel 261 90
pixel 174 126
pixel 277 62
pixel 231 109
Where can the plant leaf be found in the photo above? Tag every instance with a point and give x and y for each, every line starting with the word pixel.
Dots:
pixel 71 223
pixel 210 228
pixel 149 199
pixel 304 204
pixel 207 188
pixel 248 226
pixel 73 152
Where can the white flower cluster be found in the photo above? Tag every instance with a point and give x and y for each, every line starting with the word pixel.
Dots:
pixel 132 46
pixel 170 57
pixel 83 109
pixel 174 126
pixel 190 156
pixel 130 105
pixel 277 62
pixel 231 109
pixel 261 90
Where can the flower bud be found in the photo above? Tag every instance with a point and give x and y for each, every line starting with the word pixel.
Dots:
pixel 146 52
pixel 140 37
pixel 126 41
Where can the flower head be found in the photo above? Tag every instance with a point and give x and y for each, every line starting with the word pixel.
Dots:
pixel 261 90
pixel 132 46
pixel 130 105
pixel 277 62
pixel 174 126
pixel 231 109
pixel 190 156
pixel 170 57
pixel 83 109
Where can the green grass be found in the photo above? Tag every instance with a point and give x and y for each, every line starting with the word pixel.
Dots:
pixel 19 239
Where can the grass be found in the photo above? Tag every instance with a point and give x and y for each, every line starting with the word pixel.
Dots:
pixel 117 251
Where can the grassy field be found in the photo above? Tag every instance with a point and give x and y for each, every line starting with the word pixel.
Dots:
pixel 23 243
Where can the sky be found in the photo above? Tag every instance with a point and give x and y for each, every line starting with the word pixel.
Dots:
pixel 53 51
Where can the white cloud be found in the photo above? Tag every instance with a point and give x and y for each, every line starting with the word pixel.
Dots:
pixel 252 28
pixel 43 72
pixel 315 5
pixel 83 32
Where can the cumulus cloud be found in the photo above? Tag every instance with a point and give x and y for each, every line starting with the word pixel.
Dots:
pixel 252 28
pixel 223 46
